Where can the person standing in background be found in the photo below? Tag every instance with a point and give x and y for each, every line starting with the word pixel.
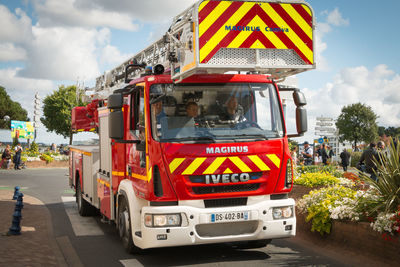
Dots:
pixel 17 157
pixel 345 158
pixel 307 154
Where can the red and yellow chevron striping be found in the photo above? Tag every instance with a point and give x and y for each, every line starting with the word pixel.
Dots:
pixel 217 165
pixel 237 24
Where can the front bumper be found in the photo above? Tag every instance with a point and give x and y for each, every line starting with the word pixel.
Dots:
pixel 197 228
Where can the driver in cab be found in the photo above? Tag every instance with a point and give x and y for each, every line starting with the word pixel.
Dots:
pixel 232 111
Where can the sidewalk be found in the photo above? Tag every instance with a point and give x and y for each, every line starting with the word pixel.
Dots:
pixel 36 246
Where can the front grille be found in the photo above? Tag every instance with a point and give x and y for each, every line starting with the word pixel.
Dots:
pixel 226 229
pixel 225 202
pixel 225 189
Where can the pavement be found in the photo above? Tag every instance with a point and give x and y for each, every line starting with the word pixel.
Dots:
pixel 36 245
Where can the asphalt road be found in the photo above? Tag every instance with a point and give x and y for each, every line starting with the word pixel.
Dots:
pixel 94 243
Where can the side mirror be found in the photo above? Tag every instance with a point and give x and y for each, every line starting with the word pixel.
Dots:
pixel 301 112
pixel 116 125
pixel 115 101
pixel 299 98
pixel 301 120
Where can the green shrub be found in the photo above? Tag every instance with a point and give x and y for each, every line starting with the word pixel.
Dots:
pixel 331 169
pixel 354 158
pixel 34 148
pixel 388 184
pixel 316 179
pixel 319 203
pixel 46 158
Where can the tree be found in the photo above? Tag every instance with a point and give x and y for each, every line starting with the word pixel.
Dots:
pixel 57 110
pixel 357 123
pixel 10 108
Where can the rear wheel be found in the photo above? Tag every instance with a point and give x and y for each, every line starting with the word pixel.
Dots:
pixel 84 208
pixel 124 227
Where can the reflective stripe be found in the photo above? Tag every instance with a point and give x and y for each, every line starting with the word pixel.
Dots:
pixel 193 166
pixel 274 158
pixel 175 164
pixel 259 163
pixel 215 165
pixel 240 164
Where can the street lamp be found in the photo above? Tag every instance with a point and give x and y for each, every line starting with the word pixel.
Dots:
pixel 6 118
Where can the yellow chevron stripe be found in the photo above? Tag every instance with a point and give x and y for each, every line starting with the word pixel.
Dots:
pixel 213 16
pixel 202 5
pixel 228 171
pixel 214 165
pixel 175 164
pixel 259 163
pixel 291 34
pixel 274 158
pixel 240 164
pixel 298 19
pixel 193 166
pixel 221 33
pixel 257 21
pixel 307 9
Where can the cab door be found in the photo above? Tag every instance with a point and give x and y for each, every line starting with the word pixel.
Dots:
pixel 136 163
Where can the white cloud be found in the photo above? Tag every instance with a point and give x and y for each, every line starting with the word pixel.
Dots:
pixel 333 18
pixel 11 52
pixel 377 88
pixel 63 53
pixel 112 56
pixel 153 11
pixel 14 27
pixel 66 13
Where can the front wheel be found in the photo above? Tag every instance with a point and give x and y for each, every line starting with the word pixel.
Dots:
pixel 124 227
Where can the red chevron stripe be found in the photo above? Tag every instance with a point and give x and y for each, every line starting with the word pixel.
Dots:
pixel 207 10
pixel 204 166
pixel 232 35
pixel 282 36
pixel 207 35
pixel 257 36
pixel 292 24
pixel 300 9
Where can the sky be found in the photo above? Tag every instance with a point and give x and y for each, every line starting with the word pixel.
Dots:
pixel 47 43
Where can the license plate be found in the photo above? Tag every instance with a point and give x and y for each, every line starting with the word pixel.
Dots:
pixel 230 216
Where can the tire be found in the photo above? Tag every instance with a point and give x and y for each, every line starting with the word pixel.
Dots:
pixel 124 227
pixel 84 208
pixel 252 244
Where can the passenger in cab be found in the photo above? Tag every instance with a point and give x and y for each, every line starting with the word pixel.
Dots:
pixel 233 111
pixel 192 109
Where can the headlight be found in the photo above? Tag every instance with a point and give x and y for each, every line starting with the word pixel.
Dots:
pixel 162 220
pixel 282 212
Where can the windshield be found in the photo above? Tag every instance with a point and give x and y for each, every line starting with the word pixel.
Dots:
pixel 214 113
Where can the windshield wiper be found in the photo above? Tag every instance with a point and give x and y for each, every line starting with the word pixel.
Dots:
pixel 245 136
pixel 188 139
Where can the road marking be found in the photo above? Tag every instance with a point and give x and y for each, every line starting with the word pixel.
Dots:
pixel 131 263
pixel 82 226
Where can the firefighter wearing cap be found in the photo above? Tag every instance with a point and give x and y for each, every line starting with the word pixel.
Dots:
pixel 307 154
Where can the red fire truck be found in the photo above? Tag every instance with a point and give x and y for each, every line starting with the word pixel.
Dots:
pixel 193 147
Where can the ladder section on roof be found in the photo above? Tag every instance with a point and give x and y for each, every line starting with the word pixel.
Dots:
pixel 213 36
